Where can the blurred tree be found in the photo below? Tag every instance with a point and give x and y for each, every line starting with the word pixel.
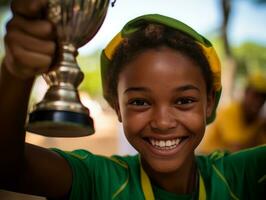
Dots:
pixel 259 1
pixel 90 66
pixel 253 57
pixel 4 3
pixel 230 61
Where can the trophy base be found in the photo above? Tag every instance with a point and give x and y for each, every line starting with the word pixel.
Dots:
pixel 56 123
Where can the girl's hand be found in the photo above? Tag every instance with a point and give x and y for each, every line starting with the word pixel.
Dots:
pixel 29 40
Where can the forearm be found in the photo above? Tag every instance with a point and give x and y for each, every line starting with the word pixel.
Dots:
pixel 13 111
pixel 29 49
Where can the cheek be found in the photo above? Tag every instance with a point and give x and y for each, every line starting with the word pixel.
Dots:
pixel 195 121
pixel 133 122
pixel 134 126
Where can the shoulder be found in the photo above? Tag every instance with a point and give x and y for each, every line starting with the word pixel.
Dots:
pixel 237 174
pixel 232 107
pixel 229 111
pixel 101 177
pixel 254 157
pixel 90 159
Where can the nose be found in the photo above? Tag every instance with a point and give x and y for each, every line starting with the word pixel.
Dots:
pixel 163 119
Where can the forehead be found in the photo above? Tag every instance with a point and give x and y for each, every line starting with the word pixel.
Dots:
pixel 162 67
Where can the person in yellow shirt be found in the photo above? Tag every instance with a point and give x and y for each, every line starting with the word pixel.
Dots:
pixel 241 124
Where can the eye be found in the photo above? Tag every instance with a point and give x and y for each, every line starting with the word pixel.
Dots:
pixel 139 102
pixel 184 101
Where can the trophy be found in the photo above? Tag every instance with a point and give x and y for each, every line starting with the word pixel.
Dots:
pixel 61 113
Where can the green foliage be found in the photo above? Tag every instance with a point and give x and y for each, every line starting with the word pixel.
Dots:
pixel 260 1
pixel 217 43
pixel 90 66
pixel 3 19
pixel 4 3
pixel 251 57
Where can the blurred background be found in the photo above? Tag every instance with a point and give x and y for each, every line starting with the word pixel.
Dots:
pixel 235 27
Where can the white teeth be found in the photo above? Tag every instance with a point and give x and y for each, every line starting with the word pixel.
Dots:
pixel 165 144
pixel 177 141
pixel 162 143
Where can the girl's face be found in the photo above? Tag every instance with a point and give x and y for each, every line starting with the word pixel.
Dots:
pixel 163 105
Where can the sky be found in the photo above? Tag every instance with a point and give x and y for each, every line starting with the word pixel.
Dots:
pixel 205 16
pixel 247 21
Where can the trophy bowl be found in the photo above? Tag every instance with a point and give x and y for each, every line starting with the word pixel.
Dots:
pixel 61 113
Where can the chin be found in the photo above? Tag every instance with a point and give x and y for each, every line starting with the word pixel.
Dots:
pixel 167 160
pixel 164 165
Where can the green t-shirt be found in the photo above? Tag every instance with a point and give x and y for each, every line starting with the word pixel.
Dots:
pixel 223 176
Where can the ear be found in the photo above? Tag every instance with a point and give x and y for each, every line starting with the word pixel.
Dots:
pixel 117 110
pixel 210 103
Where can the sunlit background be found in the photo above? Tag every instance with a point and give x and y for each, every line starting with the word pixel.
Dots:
pixel 239 37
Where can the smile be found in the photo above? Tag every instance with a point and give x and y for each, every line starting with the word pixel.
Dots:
pixel 166 144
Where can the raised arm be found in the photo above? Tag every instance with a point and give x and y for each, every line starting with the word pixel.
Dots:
pixel 30 46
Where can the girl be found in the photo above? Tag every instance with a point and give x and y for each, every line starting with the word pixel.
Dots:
pixel 163 80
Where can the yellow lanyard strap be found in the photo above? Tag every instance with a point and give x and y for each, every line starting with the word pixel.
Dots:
pixel 147 189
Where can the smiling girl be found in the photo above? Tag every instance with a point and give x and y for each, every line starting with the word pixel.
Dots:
pixel 163 80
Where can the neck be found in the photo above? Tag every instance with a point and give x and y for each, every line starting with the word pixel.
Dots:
pixel 181 181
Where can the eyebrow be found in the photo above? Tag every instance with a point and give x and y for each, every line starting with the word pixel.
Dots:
pixel 187 87
pixel 178 89
pixel 137 89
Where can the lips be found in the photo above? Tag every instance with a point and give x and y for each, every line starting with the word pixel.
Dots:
pixel 166 147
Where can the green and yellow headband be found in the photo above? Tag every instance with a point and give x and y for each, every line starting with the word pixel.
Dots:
pixel 137 23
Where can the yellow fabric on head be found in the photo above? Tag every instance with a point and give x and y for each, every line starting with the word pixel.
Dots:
pixel 215 65
pixel 110 49
pixel 209 52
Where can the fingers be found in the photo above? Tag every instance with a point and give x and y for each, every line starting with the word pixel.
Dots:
pixel 38 28
pixel 25 64
pixel 32 35
pixel 28 8
pixel 29 42
pixel 35 41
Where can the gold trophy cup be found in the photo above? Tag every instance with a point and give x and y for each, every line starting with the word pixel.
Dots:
pixel 61 113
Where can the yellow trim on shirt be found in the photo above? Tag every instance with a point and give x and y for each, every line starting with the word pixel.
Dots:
pixel 263 178
pixel 202 189
pixel 77 155
pixel 122 187
pixel 225 182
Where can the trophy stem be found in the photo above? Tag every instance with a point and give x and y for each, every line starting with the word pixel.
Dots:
pixel 61 112
pixel 66 71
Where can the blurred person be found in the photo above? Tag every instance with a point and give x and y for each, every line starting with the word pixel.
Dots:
pixel 242 123
pixel 163 79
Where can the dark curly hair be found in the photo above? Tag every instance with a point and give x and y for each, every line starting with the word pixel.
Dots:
pixel 154 36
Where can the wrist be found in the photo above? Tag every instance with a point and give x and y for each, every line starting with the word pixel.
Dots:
pixel 7 74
